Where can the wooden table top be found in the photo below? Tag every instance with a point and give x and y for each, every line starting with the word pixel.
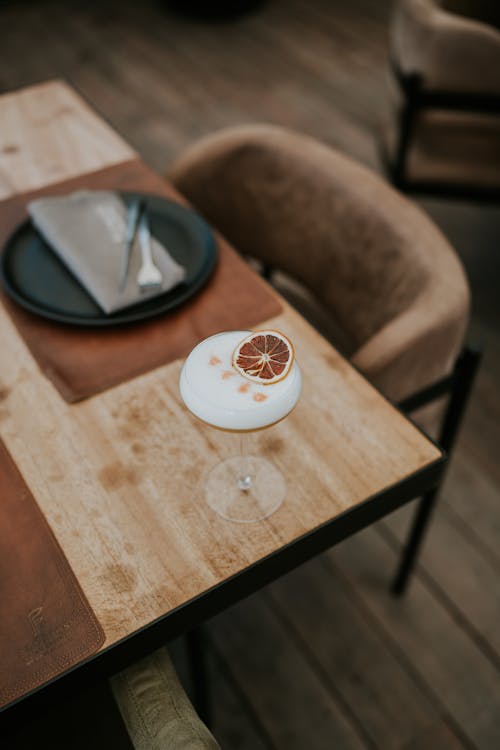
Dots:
pixel 119 476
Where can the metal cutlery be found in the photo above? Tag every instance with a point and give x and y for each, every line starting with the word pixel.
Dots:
pixel 149 276
pixel 134 211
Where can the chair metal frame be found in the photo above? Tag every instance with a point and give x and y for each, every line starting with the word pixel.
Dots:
pixel 457 386
pixel 417 98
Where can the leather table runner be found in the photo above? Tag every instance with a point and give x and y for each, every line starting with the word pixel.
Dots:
pixel 46 623
pixel 83 362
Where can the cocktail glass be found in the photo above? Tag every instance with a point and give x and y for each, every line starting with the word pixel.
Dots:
pixel 244 488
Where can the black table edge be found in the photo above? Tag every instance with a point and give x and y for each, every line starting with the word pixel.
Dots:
pixel 193 613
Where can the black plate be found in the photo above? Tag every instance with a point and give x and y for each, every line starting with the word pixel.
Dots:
pixel 35 278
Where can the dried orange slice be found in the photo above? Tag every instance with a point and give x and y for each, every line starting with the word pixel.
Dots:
pixel 264 357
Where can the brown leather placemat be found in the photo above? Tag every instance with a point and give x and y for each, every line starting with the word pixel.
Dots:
pixel 83 362
pixel 46 623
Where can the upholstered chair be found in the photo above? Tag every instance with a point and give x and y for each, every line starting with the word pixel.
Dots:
pixel 387 276
pixel 155 709
pixel 446 56
pixel 395 293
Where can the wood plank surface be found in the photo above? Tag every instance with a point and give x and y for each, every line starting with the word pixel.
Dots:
pixel 474 595
pixel 359 674
pixel 459 678
pixel 120 476
pixel 49 134
pixel 255 643
pixel 321 67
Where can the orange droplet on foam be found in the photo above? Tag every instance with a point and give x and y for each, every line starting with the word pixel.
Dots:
pixel 228 374
pixel 259 397
pixel 244 388
pixel 214 360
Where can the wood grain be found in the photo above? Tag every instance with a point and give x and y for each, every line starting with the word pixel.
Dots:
pixel 320 67
pixel 48 135
pixel 120 476
pixel 319 718
pixel 459 678
pixel 329 608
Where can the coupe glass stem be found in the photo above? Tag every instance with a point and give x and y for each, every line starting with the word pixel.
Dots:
pixel 244 480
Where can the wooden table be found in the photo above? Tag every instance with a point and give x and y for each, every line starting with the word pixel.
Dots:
pixel 118 476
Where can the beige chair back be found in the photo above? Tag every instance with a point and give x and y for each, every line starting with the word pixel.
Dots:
pixel 371 257
pixel 454 45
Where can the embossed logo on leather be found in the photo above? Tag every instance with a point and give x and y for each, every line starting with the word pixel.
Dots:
pixel 45 638
pixel 36 618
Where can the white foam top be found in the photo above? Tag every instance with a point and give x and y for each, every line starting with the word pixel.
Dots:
pixel 213 390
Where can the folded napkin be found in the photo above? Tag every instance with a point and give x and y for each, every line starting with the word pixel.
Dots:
pixel 87 231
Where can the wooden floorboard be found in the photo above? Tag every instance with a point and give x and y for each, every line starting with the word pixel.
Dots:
pixel 324 658
pixel 294 704
pixel 436 650
pixel 238 725
pixel 352 656
pixel 471 589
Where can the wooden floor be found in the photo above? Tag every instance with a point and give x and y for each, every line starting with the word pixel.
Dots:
pixel 324 658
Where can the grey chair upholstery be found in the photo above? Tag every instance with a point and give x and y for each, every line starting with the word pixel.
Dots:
pixel 156 711
pixel 446 55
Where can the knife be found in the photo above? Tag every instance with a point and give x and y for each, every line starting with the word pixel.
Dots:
pixel 133 214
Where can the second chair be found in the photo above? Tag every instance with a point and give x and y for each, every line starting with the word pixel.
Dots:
pixel 384 272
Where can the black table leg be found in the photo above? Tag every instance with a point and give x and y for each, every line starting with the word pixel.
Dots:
pixel 196 649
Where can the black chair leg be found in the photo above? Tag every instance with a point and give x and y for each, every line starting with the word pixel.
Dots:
pixel 409 557
pixel 407 118
pixel 195 642
pixel 463 379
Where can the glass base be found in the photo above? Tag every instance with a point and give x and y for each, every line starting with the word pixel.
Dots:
pixel 245 489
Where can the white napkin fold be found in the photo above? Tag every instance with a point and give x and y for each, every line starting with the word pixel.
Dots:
pixel 87 231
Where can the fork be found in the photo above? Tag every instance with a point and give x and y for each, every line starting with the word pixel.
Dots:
pixel 133 214
pixel 149 276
